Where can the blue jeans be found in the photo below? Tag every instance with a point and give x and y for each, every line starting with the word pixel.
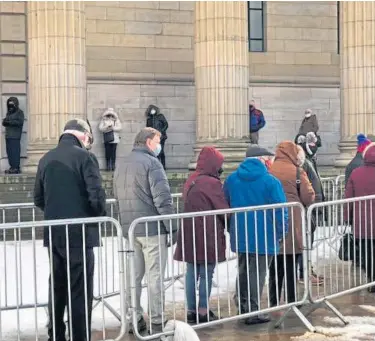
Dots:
pixel 205 283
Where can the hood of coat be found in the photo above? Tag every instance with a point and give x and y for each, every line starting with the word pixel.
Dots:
pixel 369 155
pixel 150 107
pixel 251 169
pixel 210 160
pixel 110 112
pixel 290 152
pixel 12 104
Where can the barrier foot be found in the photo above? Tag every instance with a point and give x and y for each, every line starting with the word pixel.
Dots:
pixel 336 312
pixel 299 314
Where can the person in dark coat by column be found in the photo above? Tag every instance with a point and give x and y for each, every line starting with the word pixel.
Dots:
pixel 357 161
pixel 257 122
pixel 68 185
pixel 13 123
pixel 156 120
pixel 203 191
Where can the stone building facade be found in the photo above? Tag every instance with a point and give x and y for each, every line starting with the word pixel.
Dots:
pixel 191 59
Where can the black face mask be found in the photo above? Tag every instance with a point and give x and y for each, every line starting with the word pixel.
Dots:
pixel 220 171
pixel 251 107
pixel 11 107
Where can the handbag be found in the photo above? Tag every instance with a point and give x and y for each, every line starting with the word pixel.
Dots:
pixel 109 136
pixel 349 250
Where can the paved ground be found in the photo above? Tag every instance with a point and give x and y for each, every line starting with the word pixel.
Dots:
pixel 292 329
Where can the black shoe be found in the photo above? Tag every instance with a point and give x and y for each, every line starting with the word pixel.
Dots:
pixel 257 320
pixel 204 318
pixel 191 317
pixel 141 325
pixel 9 171
pixel 14 171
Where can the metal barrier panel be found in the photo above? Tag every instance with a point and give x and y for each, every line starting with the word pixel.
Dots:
pixel 267 242
pixel 340 187
pixel 73 266
pixel 344 254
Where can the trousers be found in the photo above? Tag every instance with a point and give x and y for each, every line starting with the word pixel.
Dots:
pixel 150 254
pixel 76 303
pixel 13 148
pixel 110 154
pixel 251 277
pixel 161 156
pixel 280 274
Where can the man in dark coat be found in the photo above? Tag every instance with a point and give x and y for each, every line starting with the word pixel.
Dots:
pixel 156 120
pixel 13 123
pixel 68 185
pixel 357 161
pixel 142 189
pixel 257 122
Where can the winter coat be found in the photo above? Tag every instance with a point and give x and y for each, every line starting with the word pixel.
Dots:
pixel 13 121
pixel 362 183
pixel 309 124
pixel 314 179
pixel 285 169
pixel 142 190
pixel 257 121
pixel 68 185
pixel 203 191
pixel 356 162
pixel 111 122
pixel 252 185
pixel 157 121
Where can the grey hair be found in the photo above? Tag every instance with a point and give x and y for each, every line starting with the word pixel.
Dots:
pixel 144 135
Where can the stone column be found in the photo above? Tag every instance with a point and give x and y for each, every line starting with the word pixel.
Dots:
pixel 57 71
pixel 357 64
pixel 222 78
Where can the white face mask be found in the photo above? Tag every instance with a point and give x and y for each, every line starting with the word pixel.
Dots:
pixel 308 115
pixel 153 112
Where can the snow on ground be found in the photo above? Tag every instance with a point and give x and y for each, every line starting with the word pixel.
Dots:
pixel 32 259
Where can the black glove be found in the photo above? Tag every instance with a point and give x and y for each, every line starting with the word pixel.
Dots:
pixel 172 239
pixel 5 122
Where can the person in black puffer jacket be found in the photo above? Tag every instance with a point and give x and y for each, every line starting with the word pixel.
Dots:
pixel 13 123
pixel 156 120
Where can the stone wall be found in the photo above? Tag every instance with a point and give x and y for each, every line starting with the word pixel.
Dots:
pixel 13 70
pixel 130 100
pixel 301 42
pixel 130 38
pixel 284 106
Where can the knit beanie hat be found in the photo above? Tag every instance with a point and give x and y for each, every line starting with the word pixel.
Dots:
pixel 362 142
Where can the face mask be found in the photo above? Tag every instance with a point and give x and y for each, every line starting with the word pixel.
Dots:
pixel 157 150
pixel 307 115
pixel 11 107
pixel 220 171
pixel 153 112
pixel 251 107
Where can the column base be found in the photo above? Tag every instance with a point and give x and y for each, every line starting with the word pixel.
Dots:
pixel 34 154
pixel 348 149
pixel 234 152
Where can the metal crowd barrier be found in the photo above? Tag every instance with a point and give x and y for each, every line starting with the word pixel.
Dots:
pixel 252 266
pixel 346 261
pixel 103 292
pixel 25 267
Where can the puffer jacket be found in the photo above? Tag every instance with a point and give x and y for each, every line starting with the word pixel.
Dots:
pixel 288 158
pixel 111 122
pixel 142 190
pixel 356 162
pixel 309 124
pixel 14 119
pixel 157 121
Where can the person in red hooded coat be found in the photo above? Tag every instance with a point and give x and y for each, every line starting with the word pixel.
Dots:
pixel 361 214
pixel 201 240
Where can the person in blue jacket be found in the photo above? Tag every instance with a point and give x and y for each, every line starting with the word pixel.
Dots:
pixel 255 239
pixel 257 122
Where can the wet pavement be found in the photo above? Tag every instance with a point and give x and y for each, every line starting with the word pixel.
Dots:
pixel 292 328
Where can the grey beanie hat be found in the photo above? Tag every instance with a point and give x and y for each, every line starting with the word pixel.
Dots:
pixel 255 151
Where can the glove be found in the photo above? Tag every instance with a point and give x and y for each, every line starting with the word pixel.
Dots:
pixel 172 239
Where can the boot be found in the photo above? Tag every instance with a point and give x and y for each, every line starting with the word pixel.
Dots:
pixel 113 165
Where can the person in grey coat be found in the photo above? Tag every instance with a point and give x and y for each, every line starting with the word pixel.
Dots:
pixel 141 188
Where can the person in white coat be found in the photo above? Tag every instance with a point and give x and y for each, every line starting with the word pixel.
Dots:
pixel 110 126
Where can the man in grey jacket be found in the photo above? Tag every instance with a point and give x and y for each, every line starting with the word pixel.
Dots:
pixel 141 188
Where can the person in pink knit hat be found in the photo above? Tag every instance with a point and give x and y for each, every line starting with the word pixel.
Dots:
pixel 362 142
